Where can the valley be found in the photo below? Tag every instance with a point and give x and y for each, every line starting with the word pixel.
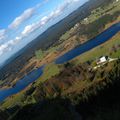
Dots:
pixel 68 87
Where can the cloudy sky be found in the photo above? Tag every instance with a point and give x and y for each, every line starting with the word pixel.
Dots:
pixel 23 20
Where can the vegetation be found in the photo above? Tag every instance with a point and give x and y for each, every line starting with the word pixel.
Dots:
pixel 39 54
pixel 77 86
pixel 56 106
pixel 50 70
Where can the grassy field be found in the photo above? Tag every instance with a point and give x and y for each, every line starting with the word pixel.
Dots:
pixel 65 36
pixel 50 70
pixel 39 54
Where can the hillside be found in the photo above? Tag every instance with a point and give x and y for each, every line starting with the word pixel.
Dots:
pixel 73 95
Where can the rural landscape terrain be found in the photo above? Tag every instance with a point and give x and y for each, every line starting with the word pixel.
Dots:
pixel 84 88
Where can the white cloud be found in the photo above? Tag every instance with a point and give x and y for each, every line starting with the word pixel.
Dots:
pixel 18 38
pixel 44 20
pixel 14 42
pixel 2 47
pixel 54 14
pixel 2 34
pixel 41 3
pixel 9 45
pixel 27 14
pixel 29 28
pixel 24 16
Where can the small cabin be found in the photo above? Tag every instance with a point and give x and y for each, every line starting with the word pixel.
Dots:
pixel 102 59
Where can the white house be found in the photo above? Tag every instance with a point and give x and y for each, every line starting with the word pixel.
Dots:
pixel 102 59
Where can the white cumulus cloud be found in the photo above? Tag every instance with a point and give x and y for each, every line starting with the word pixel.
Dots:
pixel 44 20
pixel 29 28
pixel 27 14
pixel 5 47
pixel 24 16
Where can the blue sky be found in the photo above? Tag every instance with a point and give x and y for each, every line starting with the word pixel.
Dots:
pixel 22 21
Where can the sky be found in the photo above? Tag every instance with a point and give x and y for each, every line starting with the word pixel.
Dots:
pixel 21 21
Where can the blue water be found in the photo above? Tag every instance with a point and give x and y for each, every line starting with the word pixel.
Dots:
pixel 21 84
pixel 101 38
pixel 35 74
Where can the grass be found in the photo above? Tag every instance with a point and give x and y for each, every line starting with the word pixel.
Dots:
pixel 51 50
pixel 101 50
pixel 39 54
pixel 50 70
pixel 65 36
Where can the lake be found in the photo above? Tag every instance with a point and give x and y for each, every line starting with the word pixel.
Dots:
pixel 22 83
